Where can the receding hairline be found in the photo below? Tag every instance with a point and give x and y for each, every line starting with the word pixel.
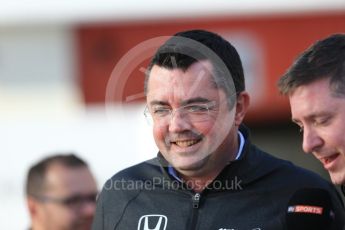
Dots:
pixel 36 177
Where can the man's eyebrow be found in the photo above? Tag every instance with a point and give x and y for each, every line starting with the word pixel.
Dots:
pixel 313 116
pixel 195 100
pixel 183 103
pixel 295 121
pixel 157 102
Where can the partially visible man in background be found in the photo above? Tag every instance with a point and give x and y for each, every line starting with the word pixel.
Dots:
pixel 315 85
pixel 61 194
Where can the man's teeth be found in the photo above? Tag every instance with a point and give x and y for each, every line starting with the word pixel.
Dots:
pixel 186 143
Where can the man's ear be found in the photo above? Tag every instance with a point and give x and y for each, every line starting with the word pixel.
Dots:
pixel 242 105
pixel 32 206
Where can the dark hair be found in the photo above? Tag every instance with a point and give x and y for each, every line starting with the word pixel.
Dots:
pixel 324 59
pixel 35 182
pixel 185 48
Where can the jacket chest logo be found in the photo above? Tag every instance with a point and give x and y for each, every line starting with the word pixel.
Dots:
pixel 153 222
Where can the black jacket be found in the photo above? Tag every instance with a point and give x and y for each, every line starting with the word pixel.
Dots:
pixel 250 193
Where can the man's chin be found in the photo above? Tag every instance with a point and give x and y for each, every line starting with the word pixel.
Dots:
pixel 337 179
pixel 190 166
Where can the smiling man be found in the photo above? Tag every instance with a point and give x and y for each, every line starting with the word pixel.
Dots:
pixel 315 85
pixel 207 174
pixel 199 137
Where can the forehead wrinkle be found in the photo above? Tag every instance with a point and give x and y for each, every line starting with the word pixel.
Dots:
pixel 162 76
pixel 179 86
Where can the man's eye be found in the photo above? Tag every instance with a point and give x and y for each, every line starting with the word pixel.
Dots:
pixel 72 200
pixel 161 111
pixel 323 121
pixel 197 108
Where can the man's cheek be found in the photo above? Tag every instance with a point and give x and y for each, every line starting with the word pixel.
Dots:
pixel 159 136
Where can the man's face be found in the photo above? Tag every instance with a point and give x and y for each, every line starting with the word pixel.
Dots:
pixel 192 145
pixel 322 118
pixel 64 182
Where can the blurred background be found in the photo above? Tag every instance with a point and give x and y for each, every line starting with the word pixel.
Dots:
pixel 71 77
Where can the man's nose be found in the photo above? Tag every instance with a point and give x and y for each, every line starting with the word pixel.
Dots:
pixel 88 208
pixel 311 140
pixel 179 122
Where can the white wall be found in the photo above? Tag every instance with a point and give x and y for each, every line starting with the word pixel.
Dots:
pixel 67 12
pixel 41 113
pixel 108 144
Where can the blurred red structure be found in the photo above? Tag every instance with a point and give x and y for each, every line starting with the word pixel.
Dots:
pixel 279 39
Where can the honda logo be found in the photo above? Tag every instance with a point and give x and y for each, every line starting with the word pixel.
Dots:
pixel 153 222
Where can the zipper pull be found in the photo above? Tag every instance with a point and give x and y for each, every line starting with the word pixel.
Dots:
pixel 196 200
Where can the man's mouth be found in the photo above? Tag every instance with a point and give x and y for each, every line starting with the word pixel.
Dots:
pixel 328 161
pixel 186 143
pixel 183 140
